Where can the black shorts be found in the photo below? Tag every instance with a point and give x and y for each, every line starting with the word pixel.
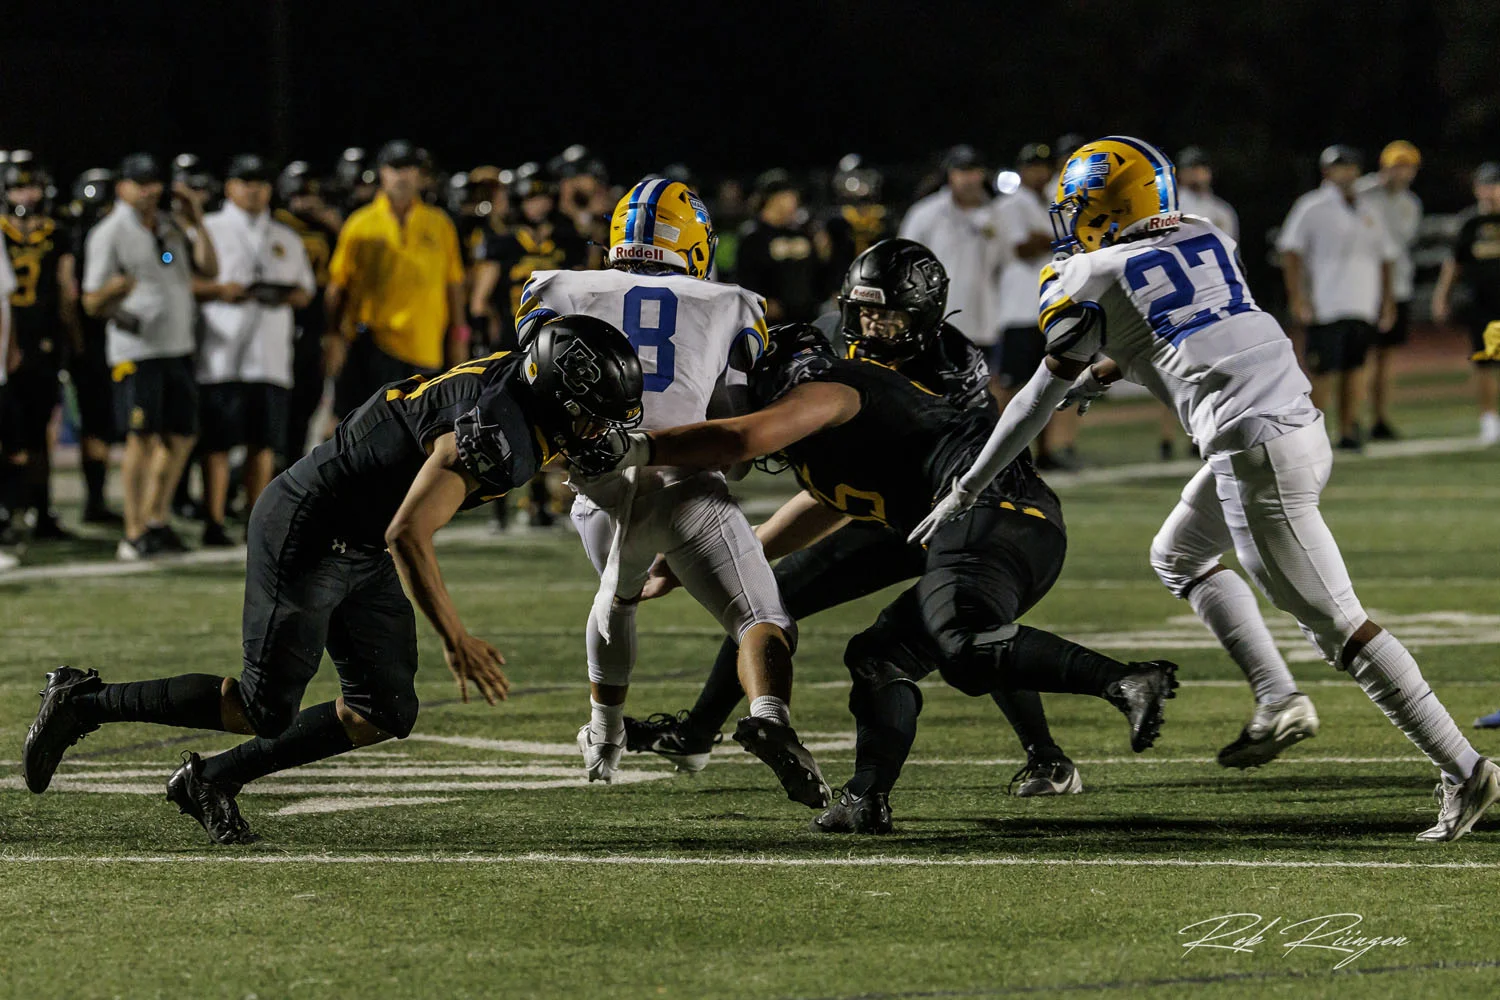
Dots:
pixel 982 572
pixel 1339 346
pixel 1476 342
pixel 366 369
pixel 94 390
pixel 1015 359
pixel 252 414
pixel 30 400
pixel 1400 332
pixel 855 561
pixel 305 592
pixel 157 396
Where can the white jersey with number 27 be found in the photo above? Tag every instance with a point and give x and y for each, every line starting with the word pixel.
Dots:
pixel 1174 313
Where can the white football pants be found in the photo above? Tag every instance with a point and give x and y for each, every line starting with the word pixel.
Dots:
pixel 710 546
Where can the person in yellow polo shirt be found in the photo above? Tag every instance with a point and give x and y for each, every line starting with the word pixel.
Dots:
pixel 395 295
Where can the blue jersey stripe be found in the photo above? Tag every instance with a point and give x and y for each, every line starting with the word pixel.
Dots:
pixel 1166 187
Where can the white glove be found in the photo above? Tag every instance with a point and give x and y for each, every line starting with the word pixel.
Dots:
pixel 1082 393
pixel 958 501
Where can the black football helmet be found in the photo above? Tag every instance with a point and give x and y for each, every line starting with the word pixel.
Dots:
pixel 789 349
pixel 896 274
pixel 582 370
pixel 21 171
pixel 296 178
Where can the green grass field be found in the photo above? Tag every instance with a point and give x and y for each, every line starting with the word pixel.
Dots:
pixel 472 860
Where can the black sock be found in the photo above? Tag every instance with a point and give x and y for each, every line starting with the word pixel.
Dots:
pixel 1023 710
pixel 885 726
pixel 1040 661
pixel 10 488
pixel 94 471
pixel 721 693
pixel 188 700
pixel 315 734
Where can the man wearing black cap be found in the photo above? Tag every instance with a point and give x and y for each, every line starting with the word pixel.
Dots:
pixel 396 291
pixel 1195 191
pixel 1336 259
pixel 957 223
pixel 139 275
pixel 777 258
pixel 1475 263
pixel 245 360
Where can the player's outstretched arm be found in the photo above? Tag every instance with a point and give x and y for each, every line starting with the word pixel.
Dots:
pixel 1022 420
pixel 800 522
pixel 802 412
pixel 434 497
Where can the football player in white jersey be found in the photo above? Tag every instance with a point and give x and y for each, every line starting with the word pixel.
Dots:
pixel 1162 296
pixel 695 339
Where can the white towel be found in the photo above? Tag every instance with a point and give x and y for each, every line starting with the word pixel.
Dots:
pixel 609 579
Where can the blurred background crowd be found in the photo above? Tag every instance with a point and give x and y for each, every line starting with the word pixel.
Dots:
pixel 213 312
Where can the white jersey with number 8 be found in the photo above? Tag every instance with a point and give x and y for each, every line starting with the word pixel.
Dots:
pixel 1174 313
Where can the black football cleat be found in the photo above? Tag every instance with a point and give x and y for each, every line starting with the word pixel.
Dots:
pixel 778 747
pixel 1053 776
pixel 867 813
pixel 1141 694
pixel 669 736
pixel 57 725
pixel 211 804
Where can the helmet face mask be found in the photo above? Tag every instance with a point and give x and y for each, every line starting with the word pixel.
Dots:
pixel 893 301
pixel 1113 189
pixel 586 380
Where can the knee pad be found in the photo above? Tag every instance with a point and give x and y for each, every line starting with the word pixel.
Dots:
pixel 393 712
pixel 875 661
pixel 612 662
pixel 978 667
pixel 1176 570
pixel 269 718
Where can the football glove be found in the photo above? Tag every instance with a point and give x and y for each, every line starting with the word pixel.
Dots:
pixel 1084 390
pixel 952 506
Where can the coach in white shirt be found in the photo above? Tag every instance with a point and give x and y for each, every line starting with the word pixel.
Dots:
pixel 1389 192
pixel 1336 259
pixel 245 361
pixel 1195 192
pixel 957 223
pixel 1026 239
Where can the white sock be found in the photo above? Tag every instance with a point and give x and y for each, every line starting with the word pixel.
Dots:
pixel 1225 603
pixel 607 723
pixel 1390 676
pixel 769 706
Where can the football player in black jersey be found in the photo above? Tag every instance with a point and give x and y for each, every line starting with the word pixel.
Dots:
pixel 40 256
pixel 858 219
pixel 891 313
pixel 88 366
pixel 306 210
pixel 318 575
pixel 868 443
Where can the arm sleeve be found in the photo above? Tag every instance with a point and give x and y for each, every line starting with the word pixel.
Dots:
pixel 98 263
pixel 1020 422
pixel 534 308
pixel 750 343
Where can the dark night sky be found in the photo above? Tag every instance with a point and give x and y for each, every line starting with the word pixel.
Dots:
pixel 738 87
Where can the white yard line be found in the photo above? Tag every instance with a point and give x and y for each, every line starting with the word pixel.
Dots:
pixel 725 862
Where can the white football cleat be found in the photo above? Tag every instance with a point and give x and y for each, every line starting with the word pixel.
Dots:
pixel 1273 728
pixel 600 760
pixel 1463 804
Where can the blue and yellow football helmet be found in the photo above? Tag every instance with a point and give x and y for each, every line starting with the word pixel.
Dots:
pixel 662 221
pixel 1111 189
